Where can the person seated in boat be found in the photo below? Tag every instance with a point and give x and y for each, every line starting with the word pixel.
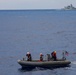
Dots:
pixel 63 54
pixel 53 54
pixel 41 57
pixel 48 57
pixel 29 58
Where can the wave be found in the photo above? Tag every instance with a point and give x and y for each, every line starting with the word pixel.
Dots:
pixel 74 62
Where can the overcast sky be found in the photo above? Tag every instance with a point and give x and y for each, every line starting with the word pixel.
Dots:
pixel 35 4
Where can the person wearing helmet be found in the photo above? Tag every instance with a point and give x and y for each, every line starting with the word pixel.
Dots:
pixel 41 57
pixel 53 54
pixel 55 58
pixel 29 58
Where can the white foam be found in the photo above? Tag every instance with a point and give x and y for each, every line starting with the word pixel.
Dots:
pixel 74 62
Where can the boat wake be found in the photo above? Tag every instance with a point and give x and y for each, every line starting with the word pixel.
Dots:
pixel 74 62
pixel 71 69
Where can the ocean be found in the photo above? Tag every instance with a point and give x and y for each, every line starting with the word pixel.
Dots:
pixel 36 31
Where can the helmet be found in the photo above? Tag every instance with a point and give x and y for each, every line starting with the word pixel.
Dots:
pixel 40 54
pixel 55 51
pixel 28 52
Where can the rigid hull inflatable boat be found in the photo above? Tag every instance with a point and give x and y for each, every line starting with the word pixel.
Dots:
pixel 43 64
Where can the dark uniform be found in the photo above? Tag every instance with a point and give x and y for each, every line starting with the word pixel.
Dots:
pixel 53 54
pixel 29 58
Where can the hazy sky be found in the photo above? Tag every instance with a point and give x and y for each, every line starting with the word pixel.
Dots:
pixel 35 4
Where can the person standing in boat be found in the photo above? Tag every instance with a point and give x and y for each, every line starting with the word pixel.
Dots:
pixel 41 57
pixel 53 54
pixel 29 58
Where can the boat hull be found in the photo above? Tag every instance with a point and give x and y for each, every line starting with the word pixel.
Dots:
pixel 43 64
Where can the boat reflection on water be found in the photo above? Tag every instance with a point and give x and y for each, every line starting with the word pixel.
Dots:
pixel 32 69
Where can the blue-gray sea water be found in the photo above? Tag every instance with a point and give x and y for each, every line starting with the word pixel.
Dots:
pixel 36 31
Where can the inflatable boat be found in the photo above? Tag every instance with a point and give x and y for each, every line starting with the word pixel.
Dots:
pixel 43 64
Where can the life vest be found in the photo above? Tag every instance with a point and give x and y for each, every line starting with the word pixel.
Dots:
pixel 54 54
